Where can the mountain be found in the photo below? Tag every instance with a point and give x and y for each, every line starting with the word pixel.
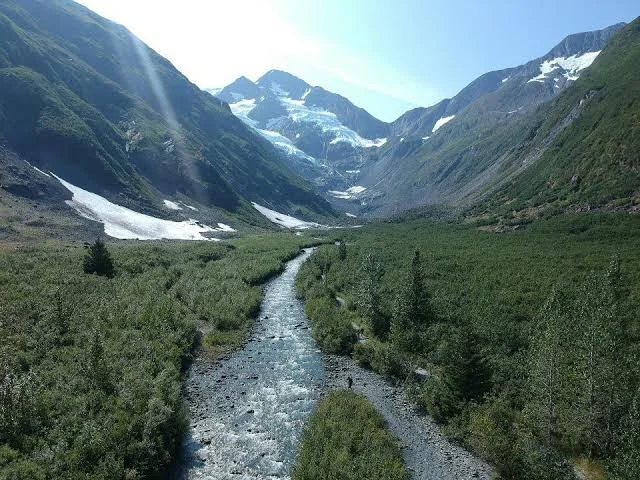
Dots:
pixel 324 136
pixel 83 98
pixel 581 151
pixel 442 154
pixel 527 85
pixel 447 153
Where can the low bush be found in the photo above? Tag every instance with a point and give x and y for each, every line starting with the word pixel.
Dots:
pixel 346 439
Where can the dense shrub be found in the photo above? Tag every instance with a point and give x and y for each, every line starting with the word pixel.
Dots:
pixel 493 351
pixel 330 326
pixel 346 439
pixel 92 368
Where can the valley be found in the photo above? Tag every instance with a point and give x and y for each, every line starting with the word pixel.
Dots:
pixel 264 280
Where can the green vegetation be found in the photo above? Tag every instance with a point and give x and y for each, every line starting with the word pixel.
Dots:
pixel 529 336
pixel 86 99
pixel 91 367
pixel 577 151
pixel 98 260
pixel 595 159
pixel 346 439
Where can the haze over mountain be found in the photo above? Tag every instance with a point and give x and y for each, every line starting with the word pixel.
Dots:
pixel 116 132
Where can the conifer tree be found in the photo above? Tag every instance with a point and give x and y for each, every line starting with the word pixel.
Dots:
pixel 370 295
pixel 548 367
pixel 597 351
pixel 98 260
pixel 413 313
pixel 17 393
pixel 627 463
pixel 342 251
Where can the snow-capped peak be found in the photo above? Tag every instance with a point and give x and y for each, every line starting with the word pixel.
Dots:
pixel 285 118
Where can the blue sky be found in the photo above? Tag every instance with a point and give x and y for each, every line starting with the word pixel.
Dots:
pixel 385 56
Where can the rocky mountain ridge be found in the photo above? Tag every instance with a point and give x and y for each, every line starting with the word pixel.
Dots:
pixel 360 163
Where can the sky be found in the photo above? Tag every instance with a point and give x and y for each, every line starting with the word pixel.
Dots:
pixel 386 56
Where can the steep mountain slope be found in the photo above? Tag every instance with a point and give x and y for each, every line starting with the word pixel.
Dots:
pixel 582 149
pixel 445 153
pixel 520 87
pixel 324 136
pixel 435 155
pixel 82 97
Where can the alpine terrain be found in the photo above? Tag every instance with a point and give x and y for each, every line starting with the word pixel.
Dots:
pixel 90 114
pixel 449 153
pixel 265 281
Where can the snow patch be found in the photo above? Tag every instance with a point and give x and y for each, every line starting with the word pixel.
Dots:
pixel 347 194
pixel 441 122
pixel 38 170
pixel 242 108
pixel 426 138
pixel 278 90
pixel 357 141
pixel 225 228
pixel 327 121
pixel 350 215
pixel 283 220
pixel 237 97
pixel 284 144
pixel 352 171
pixel 572 65
pixel 505 80
pixel 307 92
pixel 190 207
pixel 121 222
pixel 171 205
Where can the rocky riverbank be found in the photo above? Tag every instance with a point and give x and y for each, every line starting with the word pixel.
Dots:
pixel 428 454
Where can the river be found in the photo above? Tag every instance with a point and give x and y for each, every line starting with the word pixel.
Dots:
pixel 248 413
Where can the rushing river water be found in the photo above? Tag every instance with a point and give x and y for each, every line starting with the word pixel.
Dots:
pixel 249 412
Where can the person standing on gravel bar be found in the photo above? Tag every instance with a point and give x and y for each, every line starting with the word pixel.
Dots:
pixel 349 381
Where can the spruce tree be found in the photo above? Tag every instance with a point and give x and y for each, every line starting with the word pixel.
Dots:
pixel 413 313
pixel 548 367
pixel 98 260
pixel 370 295
pixel 342 251
pixel 596 390
pixel 627 463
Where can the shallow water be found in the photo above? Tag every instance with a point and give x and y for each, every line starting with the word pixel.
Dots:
pixel 248 413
